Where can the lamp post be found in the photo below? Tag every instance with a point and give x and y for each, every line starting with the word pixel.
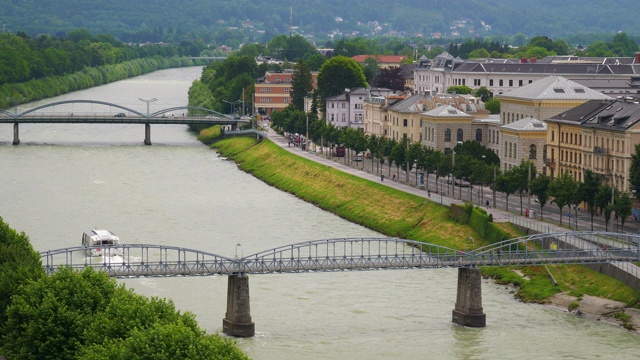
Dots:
pixel 233 105
pixel 529 190
pixel 494 186
pixel 306 139
pixel 484 157
pixel 148 102
pixel 453 177
pixel 15 102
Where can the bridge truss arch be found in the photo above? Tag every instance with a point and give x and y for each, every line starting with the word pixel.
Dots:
pixel 140 260
pixel 189 107
pixel 53 104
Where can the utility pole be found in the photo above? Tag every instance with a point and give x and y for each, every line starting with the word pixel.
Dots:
pixel 494 185
pixel 529 190
pixel 306 139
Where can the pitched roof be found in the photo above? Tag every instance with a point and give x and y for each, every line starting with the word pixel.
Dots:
pixel 387 59
pixel 527 124
pixel 554 88
pixel 617 115
pixel 447 111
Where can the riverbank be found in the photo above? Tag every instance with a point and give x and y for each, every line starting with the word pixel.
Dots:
pixel 392 212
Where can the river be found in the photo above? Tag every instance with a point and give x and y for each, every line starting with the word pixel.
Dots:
pixel 64 179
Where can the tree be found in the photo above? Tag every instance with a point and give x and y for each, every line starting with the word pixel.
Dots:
pixel 483 93
pixel 563 189
pixel 19 265
pixel 459 89
pixel 479 54
pixel 301 85
pixel 507 183
pixel 336 75
pixel 587 191
pixel 370 69
pixel 634 171
pixel 493 105
pixel 540 188
pixel 622 208
pixel 390 78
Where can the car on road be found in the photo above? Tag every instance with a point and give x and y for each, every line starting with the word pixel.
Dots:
pixel 358 157
pixel 120 115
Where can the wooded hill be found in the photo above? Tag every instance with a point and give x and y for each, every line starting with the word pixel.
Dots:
pixel 253 20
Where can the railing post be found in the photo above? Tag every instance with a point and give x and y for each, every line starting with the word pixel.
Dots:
pixel 237 321
pixel 468 309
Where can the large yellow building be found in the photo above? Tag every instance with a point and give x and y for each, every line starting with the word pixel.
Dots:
pixel 599 135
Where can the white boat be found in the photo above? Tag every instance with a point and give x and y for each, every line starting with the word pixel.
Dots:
pixel 100 243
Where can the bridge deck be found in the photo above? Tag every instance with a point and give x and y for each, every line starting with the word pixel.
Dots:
pixel 352 254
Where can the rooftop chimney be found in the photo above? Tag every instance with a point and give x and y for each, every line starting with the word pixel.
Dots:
pixel 637 58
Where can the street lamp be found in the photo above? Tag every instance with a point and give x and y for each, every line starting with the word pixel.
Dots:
pixel 233 105
pixel 15 102
pixel 148 102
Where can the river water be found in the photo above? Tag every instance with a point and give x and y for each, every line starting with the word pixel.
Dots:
pixel 64 179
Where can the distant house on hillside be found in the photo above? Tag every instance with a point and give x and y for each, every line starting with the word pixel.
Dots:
pixel 384 61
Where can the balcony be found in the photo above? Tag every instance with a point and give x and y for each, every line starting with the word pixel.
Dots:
pixel 600 150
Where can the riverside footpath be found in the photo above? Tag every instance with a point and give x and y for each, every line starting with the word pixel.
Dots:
pixel 447 195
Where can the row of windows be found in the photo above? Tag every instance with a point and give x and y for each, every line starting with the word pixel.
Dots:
pixel 511 150
pixel 576 139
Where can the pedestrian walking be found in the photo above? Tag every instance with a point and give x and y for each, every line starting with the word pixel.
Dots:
pixel 394 177
pixel 381 177
pixel 428 193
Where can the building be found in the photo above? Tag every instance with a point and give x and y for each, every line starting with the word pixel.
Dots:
pixel 536 103
pixel 376 113
pixel 346 109
pixel 384 61
pixel 599 135
pixel 612 76
pixel 272 92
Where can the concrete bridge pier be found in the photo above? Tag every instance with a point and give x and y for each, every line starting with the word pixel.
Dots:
pixel 468 310
pixel 147 134
pixel 237 321
pixel 16 134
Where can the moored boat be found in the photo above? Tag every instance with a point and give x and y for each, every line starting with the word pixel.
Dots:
pixel 101 243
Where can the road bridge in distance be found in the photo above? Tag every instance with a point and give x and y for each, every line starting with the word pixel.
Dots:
pixel 117 114
pixel 330 255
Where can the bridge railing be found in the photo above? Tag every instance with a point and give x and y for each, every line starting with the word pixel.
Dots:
pixel 125 260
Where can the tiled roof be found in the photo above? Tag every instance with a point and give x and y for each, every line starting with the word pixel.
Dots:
pixel 447 111
pixel 554 88
pixel 617 115
pixel 387 59
pixel 527 124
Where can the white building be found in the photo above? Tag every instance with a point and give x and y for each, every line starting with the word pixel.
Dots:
pixel 346 110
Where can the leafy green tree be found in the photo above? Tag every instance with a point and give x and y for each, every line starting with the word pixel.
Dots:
pixel 564 190
pixel 540 188
pixel 63 304
pixel 370 69
pixel 336 75
pixel 622 208
pixel 587 191
pixel 599 49
pixel 508 183
pixel 483 93
pixel 315 61
pixel 479 54
pixel 414 152
pixel 493 105
pixel 623 45
pixel 634 171
pixel 390 78
pixel 301 84
pixel 19 265
pixel 459 89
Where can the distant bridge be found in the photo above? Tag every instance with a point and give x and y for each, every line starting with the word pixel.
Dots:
pixel 142 260
pixel 122 115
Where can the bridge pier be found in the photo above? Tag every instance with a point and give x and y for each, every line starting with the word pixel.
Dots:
pixel 237 321
pixel 468 310
pixel 147 134
pixel 16 134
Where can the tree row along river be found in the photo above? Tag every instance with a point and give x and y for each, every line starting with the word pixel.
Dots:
pixel 64 179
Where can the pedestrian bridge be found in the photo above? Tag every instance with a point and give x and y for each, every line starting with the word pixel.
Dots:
pixel 100 112
pixel 145 260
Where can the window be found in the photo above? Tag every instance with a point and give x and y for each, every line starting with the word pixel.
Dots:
pixel 268 89
pixel 404 122
pixel 479 135
pixel 286 90
pixel 447 135
pixel 519 82
pixel 459 135
pixel 510 82
pixel 286 100
pixel 490 82
pixel 261 89
pixel 532 152
pixel 476 82
pixel 501 82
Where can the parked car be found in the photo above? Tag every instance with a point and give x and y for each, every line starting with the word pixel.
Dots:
pixel 339 151
pixel 120 115
pixel 358 157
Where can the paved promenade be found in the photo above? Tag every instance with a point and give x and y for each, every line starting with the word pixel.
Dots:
pixel 363 169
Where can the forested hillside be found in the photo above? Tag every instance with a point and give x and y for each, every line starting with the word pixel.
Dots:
pixel 253 20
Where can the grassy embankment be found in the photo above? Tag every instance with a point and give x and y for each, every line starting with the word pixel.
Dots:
pixel 395 213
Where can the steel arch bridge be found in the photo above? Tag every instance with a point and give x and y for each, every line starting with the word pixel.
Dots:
pixel 349 254
pixel 38 115
pixel 352 254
